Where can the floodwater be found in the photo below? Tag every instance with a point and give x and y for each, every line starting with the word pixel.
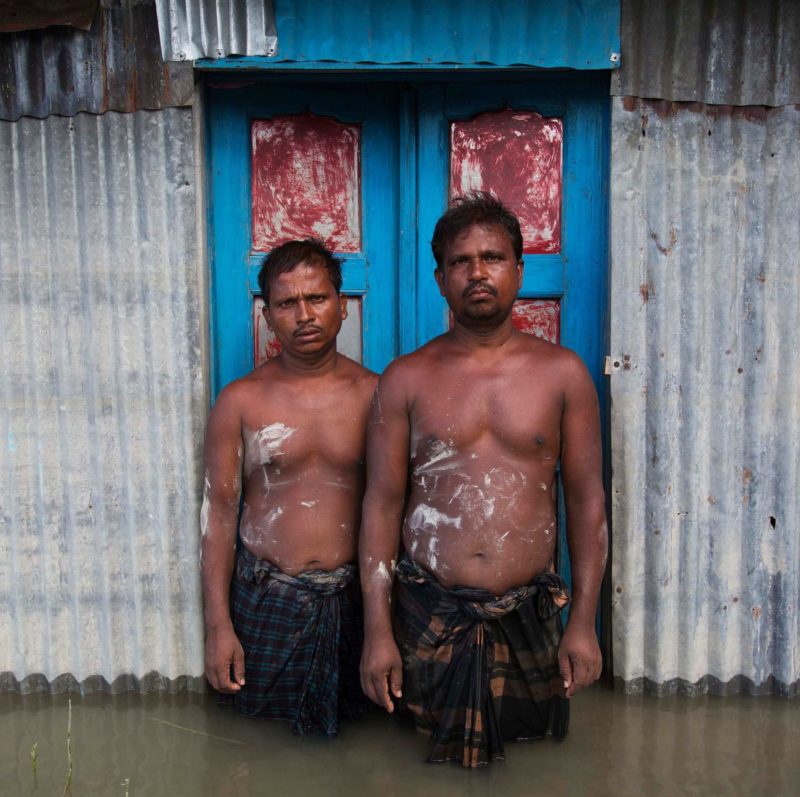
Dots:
pixel 148 746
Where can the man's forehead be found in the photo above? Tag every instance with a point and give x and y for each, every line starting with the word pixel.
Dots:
pixel 307 272
pixel 496 231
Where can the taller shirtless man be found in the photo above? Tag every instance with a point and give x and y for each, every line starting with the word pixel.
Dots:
pixel 283 615
pixel 465 434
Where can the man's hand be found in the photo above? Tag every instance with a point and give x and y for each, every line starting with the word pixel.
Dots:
pixel 579 658
pixel 223 649
pixel 382 670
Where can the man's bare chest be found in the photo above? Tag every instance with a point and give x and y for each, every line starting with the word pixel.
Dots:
pixel 291 438
pixel 521 416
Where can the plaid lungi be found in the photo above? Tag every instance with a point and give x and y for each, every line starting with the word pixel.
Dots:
pixel 302 638
pixel 479 670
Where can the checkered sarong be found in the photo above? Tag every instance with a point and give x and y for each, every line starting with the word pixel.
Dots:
pixel 302 639
pixel 480 670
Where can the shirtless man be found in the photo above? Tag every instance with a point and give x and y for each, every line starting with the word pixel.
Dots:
pixel 288 439
pixel 463 441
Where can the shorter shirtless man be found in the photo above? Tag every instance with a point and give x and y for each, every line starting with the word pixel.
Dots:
pixel 463 441
pixel 283 612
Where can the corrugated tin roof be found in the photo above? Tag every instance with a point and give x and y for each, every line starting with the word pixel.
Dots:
pixel 116 65
pixel 705 416
pixel 15 16
pixel 102 402
pixel 192 29
pixel 579 34
pixel 744 52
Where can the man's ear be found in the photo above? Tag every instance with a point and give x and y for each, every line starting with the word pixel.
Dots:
pixel 439 277
pixel 520 272
pixel 343 305
pixel 265 313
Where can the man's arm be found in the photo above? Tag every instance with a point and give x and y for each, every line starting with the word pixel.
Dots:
pixel 579 656
pixel 387 472
pixel 218 519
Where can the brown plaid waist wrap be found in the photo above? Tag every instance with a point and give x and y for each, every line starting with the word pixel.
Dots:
pixel 479 669
pixel 547 588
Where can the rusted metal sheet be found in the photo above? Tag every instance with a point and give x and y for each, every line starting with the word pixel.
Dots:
pixel 116 65
pixel 745 52
pixel 16 16
pixel 102 403
pixel 306 182
pixel 266 345
pixel 540 317
pixel 705 397
pixel 192 29
pixel 515 155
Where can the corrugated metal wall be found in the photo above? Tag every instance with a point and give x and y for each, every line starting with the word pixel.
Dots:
pixel 192 29
pixel 740 52
pixel 103 402
pixel 579 34
pixel 115 65
pixel 705 296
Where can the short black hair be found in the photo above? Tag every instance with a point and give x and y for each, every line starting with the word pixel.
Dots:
pixel 286 257
pixel 480 208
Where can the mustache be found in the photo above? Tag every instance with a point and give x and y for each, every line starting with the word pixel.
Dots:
pixel 479 286
pixel 307 328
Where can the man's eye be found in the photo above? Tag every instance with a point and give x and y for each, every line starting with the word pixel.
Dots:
pixel 317 299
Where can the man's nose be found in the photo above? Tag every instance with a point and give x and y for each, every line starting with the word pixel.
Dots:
pixel 476 270
pixel 304 311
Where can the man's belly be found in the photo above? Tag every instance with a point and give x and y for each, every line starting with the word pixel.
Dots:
pixel 301 527
pixel 491 530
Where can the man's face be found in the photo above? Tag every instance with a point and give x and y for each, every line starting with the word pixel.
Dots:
pixel 304 310
pixel 480 277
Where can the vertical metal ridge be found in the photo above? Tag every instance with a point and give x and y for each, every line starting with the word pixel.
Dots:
pixel 704 415
pixel 103 389
pixel 733 53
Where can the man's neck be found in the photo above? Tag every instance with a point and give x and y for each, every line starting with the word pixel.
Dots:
pixel 321 364
pixel 482 337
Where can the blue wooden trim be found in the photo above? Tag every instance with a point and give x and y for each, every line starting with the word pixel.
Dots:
pixel 260 63
pixel 408 186
pixel 543 277
pixel 229 188
pixel 354 273
pixel 433 181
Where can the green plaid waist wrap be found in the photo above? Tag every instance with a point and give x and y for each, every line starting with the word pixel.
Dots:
pixel 302 638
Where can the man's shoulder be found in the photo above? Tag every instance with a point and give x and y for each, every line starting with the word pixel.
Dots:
pixel 245 388
pixel 362 379
pixel 548 354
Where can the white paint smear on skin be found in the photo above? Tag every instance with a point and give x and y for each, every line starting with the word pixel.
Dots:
pixel 382 572
pixel 428 518
pixel 262 445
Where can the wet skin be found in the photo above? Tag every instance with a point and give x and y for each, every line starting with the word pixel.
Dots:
pixel 474 423
pixel 289 438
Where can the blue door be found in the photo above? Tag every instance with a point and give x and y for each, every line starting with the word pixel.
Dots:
pixel 282 148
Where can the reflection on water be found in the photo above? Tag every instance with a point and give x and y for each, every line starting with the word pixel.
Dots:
pixel 187 745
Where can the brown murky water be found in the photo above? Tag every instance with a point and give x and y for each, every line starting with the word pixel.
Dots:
pixel 187 745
